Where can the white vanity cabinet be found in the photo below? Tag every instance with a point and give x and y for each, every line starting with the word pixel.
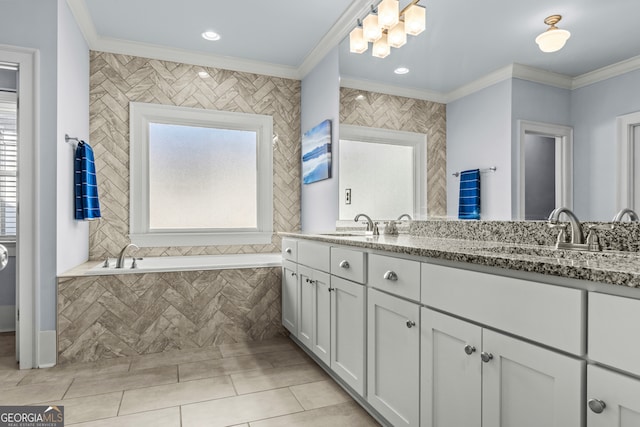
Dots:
pixel 612 398
pixel 290 292
pixel 393 349
pixel 314 329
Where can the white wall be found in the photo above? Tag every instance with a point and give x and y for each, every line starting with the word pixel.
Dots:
pixel 320 100
pixel 594 109
pixel 479 136
pixel 73 118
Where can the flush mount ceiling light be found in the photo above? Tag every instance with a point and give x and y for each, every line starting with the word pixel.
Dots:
pixel 554 38
pixel 211 35
pixel 387 27
pixel 401 70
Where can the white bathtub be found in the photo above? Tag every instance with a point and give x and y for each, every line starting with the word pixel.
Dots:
pixel 189 263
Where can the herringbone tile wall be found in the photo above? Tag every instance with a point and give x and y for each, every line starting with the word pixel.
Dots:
pixel 407 114
pixel 131 314
pixel 117 80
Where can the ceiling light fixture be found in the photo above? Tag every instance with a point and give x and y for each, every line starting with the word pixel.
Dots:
pixel 211 35
pixel 401 70
pixel 387 27
pixel 554 38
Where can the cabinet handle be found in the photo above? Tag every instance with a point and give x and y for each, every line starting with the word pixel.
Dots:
pixel 486 357
pixel 390 275
pixel 469 349
pixel 344 264
pixel 288 250
pixel 596 405
pixel 410 324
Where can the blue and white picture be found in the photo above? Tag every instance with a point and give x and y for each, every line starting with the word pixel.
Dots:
pixel 316 153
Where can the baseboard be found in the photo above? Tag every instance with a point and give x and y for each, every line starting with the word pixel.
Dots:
pixel 7 318
pixel 47 349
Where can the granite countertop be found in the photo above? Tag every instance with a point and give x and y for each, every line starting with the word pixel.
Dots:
pixel 612 267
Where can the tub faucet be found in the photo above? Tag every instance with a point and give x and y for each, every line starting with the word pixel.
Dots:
pixel 633 216
pixel 577 237
pixel 120 260
pixel 372 227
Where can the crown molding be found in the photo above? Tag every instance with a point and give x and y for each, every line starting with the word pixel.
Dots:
pixel 83 18
pixel 371 86
pixel 536 75
pixel 490 79
pixel 607 72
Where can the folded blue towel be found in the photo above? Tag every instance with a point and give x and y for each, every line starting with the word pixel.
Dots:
pixel 469 205
pixel 87 204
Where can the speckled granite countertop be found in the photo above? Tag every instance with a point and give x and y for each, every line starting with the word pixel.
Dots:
pixel 612 267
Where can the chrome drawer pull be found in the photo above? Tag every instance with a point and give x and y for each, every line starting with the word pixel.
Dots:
pixel 390 275
pixel 344 264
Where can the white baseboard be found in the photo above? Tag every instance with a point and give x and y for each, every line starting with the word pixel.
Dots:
pixel 7 318
pixel 47 356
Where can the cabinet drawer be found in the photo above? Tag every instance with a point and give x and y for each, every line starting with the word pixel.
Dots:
pixel 613 331
pixel 397 276
pixel 290 249
pixel 314 255
pixel 348 264
pixel 548 314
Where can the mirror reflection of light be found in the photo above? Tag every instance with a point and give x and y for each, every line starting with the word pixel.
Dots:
pixel 401 70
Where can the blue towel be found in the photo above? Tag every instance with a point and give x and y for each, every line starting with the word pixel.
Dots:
pixel 469 207
pixel 87 204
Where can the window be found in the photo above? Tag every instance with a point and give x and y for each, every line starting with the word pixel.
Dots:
pixel 200 177
pixel 8 166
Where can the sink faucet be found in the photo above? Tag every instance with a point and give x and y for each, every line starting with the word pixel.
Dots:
pixel 120 260
pixel 577 237
pixel 372 227
pixel 404 216
pixel 633 216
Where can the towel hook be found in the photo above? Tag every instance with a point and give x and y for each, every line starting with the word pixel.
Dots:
pixel 68 139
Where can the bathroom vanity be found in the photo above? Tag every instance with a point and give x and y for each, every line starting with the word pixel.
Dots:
pixel 445 332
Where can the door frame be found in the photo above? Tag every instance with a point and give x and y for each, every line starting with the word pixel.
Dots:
pixel 625 125
pixel 27 265
pixel 564 161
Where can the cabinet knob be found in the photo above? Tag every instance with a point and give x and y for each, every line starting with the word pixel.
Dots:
pixel 344 264
pixel 596 405
pixel 331 289
pixel 293 274
pixel 410 323
pixel 288 250
pixel 486 357
pixel 390 275
pixel 469 349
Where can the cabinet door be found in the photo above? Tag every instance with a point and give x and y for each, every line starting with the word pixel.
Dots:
pixel 321 337
pixel 305 306
pixel 451 371
pixel 618 392
pixel 393 348
pixel 347 332
pixel 524 385
pixel 290 297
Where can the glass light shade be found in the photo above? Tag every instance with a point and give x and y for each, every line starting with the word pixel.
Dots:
pixel 381 48
pixel 415 20
pixel 388 12
pixel 357 43
pixel 552 40
pixel 371 29
pixel 397 36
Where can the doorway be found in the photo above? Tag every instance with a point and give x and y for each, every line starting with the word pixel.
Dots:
pixel 546 169
pixel 628 163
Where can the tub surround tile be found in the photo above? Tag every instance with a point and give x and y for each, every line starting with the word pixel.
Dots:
pixel 240 409
pixel 169 417
pixel 266 379
pixel 163 396
pixel 89 408
pixel 319 394
pixel 342 415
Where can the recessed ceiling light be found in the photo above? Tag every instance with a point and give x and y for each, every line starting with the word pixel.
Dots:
pixel 211 35
pixel 203 74
pixel 401 70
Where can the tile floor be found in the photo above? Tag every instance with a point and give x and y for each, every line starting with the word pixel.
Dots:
pixel 264 384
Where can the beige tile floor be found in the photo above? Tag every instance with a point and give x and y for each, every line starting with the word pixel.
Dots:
pixel 264 384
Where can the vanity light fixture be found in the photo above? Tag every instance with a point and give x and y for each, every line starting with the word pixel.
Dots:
pixel 211 36
pixel 401 70
pixel 387 27
pixel 554 38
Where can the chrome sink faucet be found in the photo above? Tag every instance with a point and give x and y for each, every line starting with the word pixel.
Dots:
pixel 406 215
pixel 633 216
pixel 120 259
pixel 577 236
pixel 372 227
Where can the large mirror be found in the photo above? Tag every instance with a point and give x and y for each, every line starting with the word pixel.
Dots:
pixel 482 57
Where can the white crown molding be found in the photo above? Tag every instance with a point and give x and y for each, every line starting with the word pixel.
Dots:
pixel 83 18
pixel 536 75
pixel 333 37
pixel 490 79
pixel 407 92
pixel 607 72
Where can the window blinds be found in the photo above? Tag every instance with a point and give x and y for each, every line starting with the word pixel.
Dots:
pixel 8 165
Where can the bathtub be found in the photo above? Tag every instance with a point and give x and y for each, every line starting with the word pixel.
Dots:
pixel 188 263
